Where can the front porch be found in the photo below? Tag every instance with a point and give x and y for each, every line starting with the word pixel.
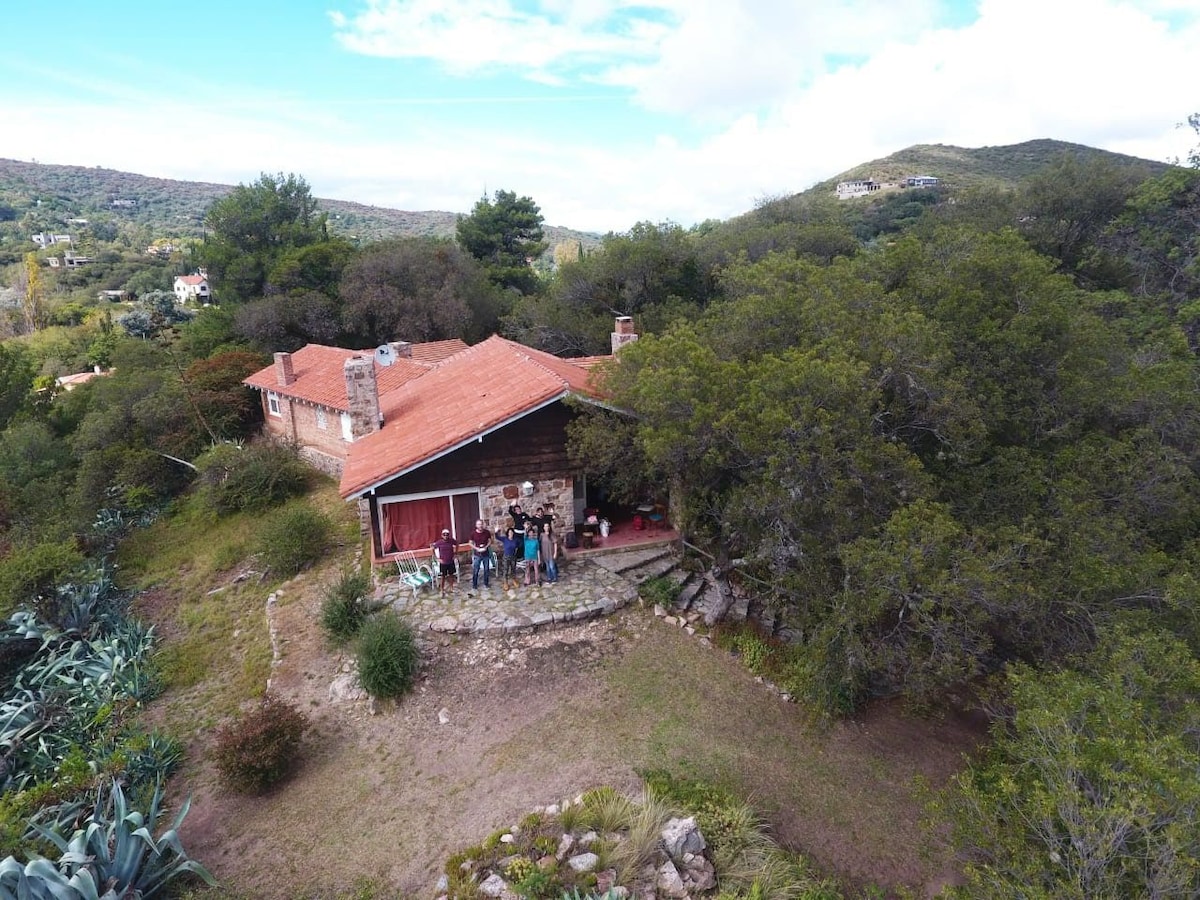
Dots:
pixel 591 583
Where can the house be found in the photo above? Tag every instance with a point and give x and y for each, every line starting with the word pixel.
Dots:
pixel 44 239
pixel 857 188
pixel 192 287
pixel 920 181
pixel 432 436
pixel 70 382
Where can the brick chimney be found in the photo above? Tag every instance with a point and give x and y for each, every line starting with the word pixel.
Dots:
pixel 401 349
pixel 284 373
pixel 362 394
pixel 624 333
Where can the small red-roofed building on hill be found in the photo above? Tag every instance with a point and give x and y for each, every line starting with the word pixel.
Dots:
pixel 436 435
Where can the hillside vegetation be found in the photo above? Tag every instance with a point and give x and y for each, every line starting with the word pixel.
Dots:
pixel 50 194
pixel 1000 166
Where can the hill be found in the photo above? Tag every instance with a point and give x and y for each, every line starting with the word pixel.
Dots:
pixel 51 194
pixel 961 167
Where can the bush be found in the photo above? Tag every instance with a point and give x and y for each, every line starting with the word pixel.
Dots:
pixel 259 476
pixel 344 608
pixel 28 573
pixel 294 537
pixel 387 655
pixel 659 591
pixel 260 748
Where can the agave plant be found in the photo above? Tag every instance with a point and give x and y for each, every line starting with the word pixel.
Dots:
pixel 117 849
pixel 39 879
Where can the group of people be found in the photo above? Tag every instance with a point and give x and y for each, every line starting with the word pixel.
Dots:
pixel 530 538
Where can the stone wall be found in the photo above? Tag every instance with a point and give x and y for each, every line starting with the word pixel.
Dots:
pixel 495 500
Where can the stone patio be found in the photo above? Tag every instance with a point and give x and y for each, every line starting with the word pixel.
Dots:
pixel 586 588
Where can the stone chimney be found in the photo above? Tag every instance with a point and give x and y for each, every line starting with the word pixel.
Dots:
pixel 624 333
pixel 401 349
pixel 284 373
pixel 362 394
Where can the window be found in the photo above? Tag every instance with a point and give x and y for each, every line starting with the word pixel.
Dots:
pixel 322 419
pixel 273 403
pixel 347 428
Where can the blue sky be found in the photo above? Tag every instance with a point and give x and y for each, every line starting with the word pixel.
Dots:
pixel 606 112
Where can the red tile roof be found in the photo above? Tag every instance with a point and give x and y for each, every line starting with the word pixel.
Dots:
pixel 191 279
pixel 468 394
pixel 319 378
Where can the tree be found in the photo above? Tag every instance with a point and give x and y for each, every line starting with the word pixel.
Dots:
pixel 253 227
pixel 505 235
pixel 1091 787
pixel 413 289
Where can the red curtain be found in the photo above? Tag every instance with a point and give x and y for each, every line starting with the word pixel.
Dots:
pixel 413 524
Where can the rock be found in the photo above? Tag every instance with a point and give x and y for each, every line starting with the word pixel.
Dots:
pixel 668 882
pixel 618 892
pixel 659 611
pixel 670 620
pixel 443 883
pixel 680 836
pixel 586 840
pixel 565 843
pixel 584 862
pixel 552 809
pixel 605 880
pixel 443 716
pixel 547 863
pixel 506 839
pixel 346 689
pixel 699 874
pixel 493 886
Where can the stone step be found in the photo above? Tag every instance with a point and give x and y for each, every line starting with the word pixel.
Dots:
pixel 692 591
pixel 620 563
pixel 656 568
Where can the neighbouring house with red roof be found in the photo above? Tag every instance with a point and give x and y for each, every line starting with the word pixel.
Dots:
pixel 437 435
pixel 192 288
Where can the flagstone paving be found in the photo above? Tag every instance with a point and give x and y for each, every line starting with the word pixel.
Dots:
pixel 584 590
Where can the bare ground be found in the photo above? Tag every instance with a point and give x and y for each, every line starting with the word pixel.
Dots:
pixel 536 718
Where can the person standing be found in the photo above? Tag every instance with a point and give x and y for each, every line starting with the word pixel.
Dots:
pixel 443 551
pixel 519 524
pixel 481 545
pixel 548 544
pixel 532 576
pixel 508 559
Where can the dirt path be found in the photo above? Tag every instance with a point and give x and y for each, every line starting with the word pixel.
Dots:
pixel 536 718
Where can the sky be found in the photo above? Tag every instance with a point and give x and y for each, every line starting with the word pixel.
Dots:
pixel 605 112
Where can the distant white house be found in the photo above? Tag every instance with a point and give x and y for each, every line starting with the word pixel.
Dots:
pixel 920 181
pixel 857 188
pixel 43 240
pixel 192 288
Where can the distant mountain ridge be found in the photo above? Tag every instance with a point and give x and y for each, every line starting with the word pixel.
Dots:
pixel 962 167
pixel 177 208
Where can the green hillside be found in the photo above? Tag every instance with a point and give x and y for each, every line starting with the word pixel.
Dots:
pixel 961 167
pixel 43 197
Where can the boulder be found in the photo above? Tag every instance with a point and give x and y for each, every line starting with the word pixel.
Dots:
pixel 584 862
pixel 668 881
pixel 699 875
pixel 565 843
pixel 680 836
pixel 493 886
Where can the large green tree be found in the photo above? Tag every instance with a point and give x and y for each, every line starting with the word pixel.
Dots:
pixel 505 234
pixel 252 228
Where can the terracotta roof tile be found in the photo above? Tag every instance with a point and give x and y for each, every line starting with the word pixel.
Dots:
pixel 319 379
pixel 468 394
pixel 191 279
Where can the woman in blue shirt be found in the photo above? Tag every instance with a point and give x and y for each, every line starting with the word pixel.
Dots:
pixel 531 557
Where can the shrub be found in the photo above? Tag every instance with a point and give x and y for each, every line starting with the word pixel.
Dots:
pixel 388 655
pixel 259 749
pixel 344 608
pixel 235 478
pixel 659 591
pixel 28 573
pixel 294 537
